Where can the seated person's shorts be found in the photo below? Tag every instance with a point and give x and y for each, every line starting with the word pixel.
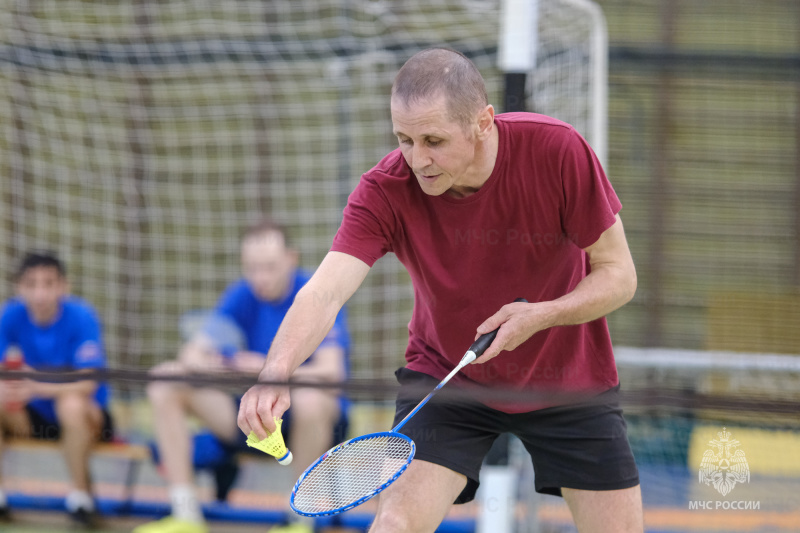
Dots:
pixel 45 425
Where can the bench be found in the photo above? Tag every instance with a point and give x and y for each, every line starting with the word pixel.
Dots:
pixel 131 456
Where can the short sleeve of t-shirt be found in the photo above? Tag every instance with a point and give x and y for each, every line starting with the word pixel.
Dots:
pixel 368 223
pixel 88 346
pixel 6 331
pixel 590 203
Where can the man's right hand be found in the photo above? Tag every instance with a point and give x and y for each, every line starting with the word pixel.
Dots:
pixel 305 325
pixel 259 405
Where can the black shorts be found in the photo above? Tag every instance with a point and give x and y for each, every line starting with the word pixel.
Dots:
pixel 44 429
pixel 576 446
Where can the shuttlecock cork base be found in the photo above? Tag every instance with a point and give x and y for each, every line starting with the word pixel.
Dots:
pixel 273 444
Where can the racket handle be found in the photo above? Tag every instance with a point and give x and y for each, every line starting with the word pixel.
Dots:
pixel 485 340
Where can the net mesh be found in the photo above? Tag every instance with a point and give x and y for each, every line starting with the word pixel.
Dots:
pixel 689 413
pixel 352 471
pixel 684 411
pixel 703 123
pixel 138 139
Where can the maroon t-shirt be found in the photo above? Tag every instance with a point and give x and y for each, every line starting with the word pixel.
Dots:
pixel 520 235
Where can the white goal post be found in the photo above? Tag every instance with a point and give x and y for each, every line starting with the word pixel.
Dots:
pixel 556 51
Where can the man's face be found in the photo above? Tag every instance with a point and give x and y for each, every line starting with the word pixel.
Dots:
pixel 267 265
pixel 41 289
pixel 438 150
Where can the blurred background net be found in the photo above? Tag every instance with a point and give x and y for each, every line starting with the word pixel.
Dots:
pixel 137 139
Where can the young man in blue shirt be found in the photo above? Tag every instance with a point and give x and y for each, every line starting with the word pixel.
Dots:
pixel 256 304
pixel 52 331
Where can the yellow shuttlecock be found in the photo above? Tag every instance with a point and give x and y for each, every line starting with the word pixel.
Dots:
pixel 272 445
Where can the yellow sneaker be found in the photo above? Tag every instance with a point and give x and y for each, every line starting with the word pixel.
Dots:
pixel 297 527
pixel 172 525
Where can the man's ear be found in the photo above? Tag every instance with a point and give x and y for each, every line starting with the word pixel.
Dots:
pixel 485 121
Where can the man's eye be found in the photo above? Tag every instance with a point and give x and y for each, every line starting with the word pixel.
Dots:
pixel 406 141
pixel 434 143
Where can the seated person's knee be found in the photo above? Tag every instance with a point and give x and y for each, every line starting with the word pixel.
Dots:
pixel 314 406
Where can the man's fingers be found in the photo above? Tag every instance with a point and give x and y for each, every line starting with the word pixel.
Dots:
pixel 265 415
pixel 494 349
pixel 258 411
pixel 498 319
pixel 247 415
pixel 275 411
pixel 251 413
pixel 492 323
pixel 281 405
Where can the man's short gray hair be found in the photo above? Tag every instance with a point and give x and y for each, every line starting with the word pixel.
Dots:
pixel 441 71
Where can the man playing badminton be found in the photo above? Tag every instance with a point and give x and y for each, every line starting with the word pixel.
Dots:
pixel 254 305
pixel 53 331
pixel 482 210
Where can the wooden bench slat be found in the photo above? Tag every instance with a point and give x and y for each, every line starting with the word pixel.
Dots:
pixel 123 450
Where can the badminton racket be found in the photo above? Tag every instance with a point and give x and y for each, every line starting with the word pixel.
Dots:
pixel 359 469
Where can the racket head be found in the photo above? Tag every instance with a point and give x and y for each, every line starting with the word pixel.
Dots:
pixel 351 473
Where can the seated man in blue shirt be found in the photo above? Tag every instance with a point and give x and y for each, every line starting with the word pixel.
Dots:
pixel 52 331
pixel 256 304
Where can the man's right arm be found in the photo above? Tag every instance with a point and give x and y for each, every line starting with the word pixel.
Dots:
pixel 311 316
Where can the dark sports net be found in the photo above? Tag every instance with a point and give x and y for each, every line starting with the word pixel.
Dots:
pixel 139 139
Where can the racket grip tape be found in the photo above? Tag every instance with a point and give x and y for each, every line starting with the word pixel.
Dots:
pixel 486 340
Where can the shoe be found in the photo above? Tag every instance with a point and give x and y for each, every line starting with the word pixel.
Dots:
pixel 297 527
pixel 5 513
pixel 84 518
pixel 172 525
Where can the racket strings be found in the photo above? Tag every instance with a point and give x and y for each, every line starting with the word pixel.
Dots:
pixel 351 472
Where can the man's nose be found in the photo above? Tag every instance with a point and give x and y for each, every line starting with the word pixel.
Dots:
pixel 420 157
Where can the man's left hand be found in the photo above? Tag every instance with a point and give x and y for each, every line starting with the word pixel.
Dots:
pixel 518 322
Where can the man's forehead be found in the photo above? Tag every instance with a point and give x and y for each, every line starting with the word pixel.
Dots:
pixel 41 271
pixel 436 104
pixel 265 240
pixel 423 118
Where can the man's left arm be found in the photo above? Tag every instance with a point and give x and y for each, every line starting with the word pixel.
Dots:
pixel 610 284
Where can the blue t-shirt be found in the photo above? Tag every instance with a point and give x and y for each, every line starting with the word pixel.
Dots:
pixel 243 321
pixel 259 320
pixel 71 342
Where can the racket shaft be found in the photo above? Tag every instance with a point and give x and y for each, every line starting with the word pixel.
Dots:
pixel 441 384
pixel 475 351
